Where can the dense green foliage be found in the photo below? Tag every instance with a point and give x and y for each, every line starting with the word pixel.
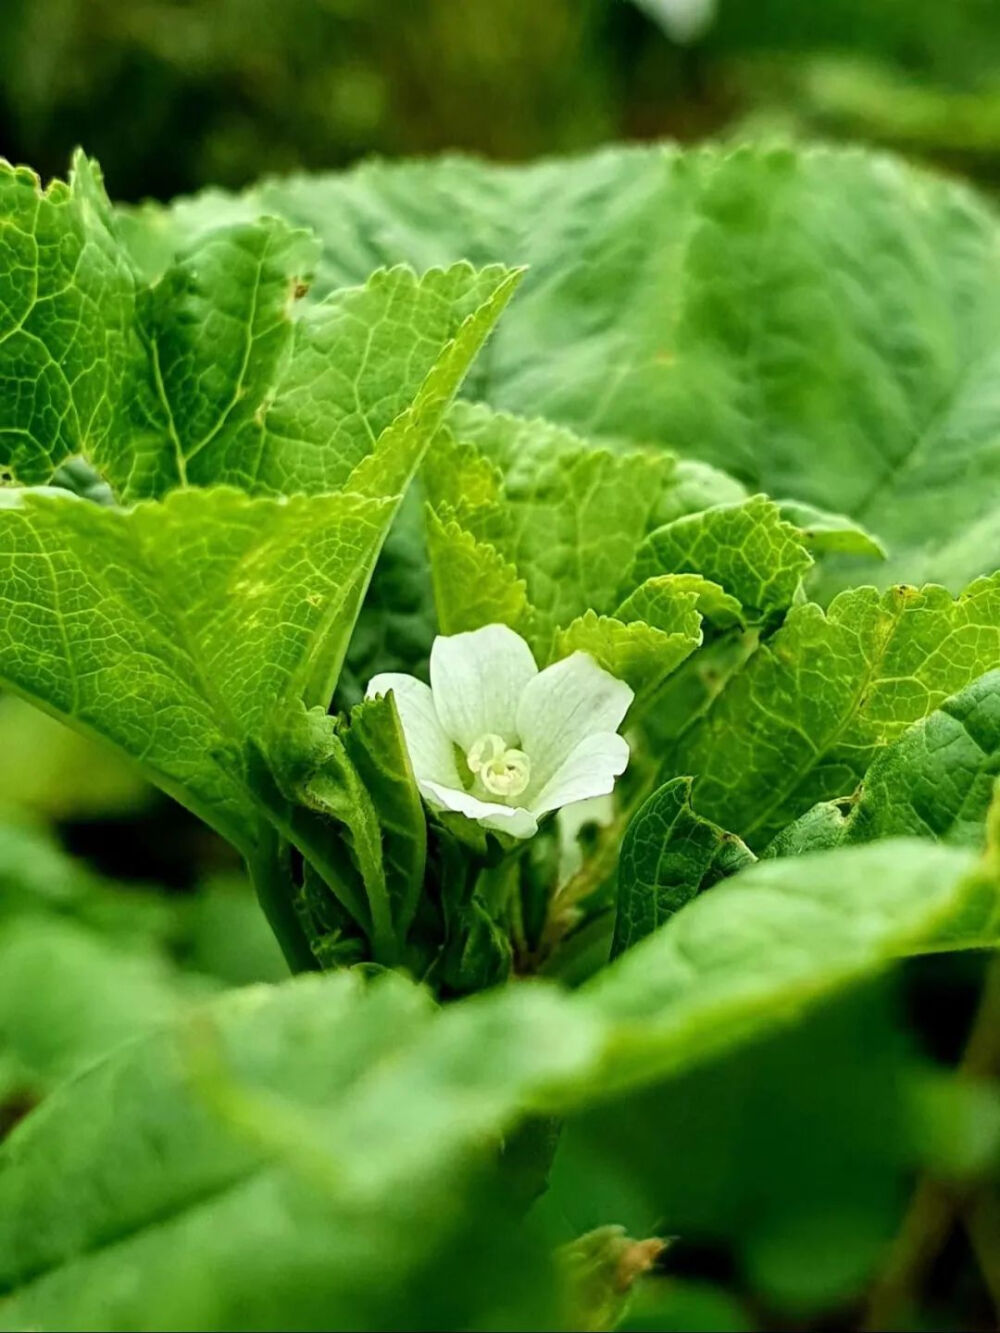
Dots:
pixel 725 421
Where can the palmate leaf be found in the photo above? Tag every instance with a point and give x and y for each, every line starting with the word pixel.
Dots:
pixel 312 1154
pixel 233 388
pixel 801 722
pixel 822 324
pixel 219 371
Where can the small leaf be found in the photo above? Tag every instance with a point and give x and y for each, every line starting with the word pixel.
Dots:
pixel 822 531
pixel 669 854
pixel 747 548
pixel 655 601
pixel 473 584
pixel 640 654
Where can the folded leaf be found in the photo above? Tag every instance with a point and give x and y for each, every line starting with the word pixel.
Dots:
pixel 374 740
pixel 747 548
pixel 654 601
pixel 935 781
pixel 669 854
pixel 816 702
pixel 643 655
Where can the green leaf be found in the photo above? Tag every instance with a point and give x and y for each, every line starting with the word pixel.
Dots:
pixel 817 701
pixel 177 629
pixel 935 781
pixel 820 323
pixel 669 854
pixel 66 312
pixel 655 600
pixel 570 514
pixel 215 341
pixel 779 936
pixel 473 584
pixel 242 392
pixel 68 996
pixel 747 548
pixel 296 1155
pixel 824 532
pixel 309 1152
pixel 219 371
pixel 643 655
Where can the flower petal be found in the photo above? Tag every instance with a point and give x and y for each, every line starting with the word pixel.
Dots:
pixel 478 678
pixel 564 704
pixel 431 752
pixel 590 770
pixel 512 819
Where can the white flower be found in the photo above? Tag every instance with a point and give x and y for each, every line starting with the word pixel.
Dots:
pixel 502 742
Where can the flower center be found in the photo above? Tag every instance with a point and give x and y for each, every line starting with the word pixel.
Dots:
pixel 503 771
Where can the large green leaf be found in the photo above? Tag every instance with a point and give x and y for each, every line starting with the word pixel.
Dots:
pixel 303 1154
pixel 779 936
pixel 296 1157
pixel 177 629
pixel 808 713
pixel 67 305
pixel 823 324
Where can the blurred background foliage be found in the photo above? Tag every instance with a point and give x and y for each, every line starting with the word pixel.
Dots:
pixel 173 94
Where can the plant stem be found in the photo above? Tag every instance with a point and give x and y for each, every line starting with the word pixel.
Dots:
pixel 271 877
pixel 931 1214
